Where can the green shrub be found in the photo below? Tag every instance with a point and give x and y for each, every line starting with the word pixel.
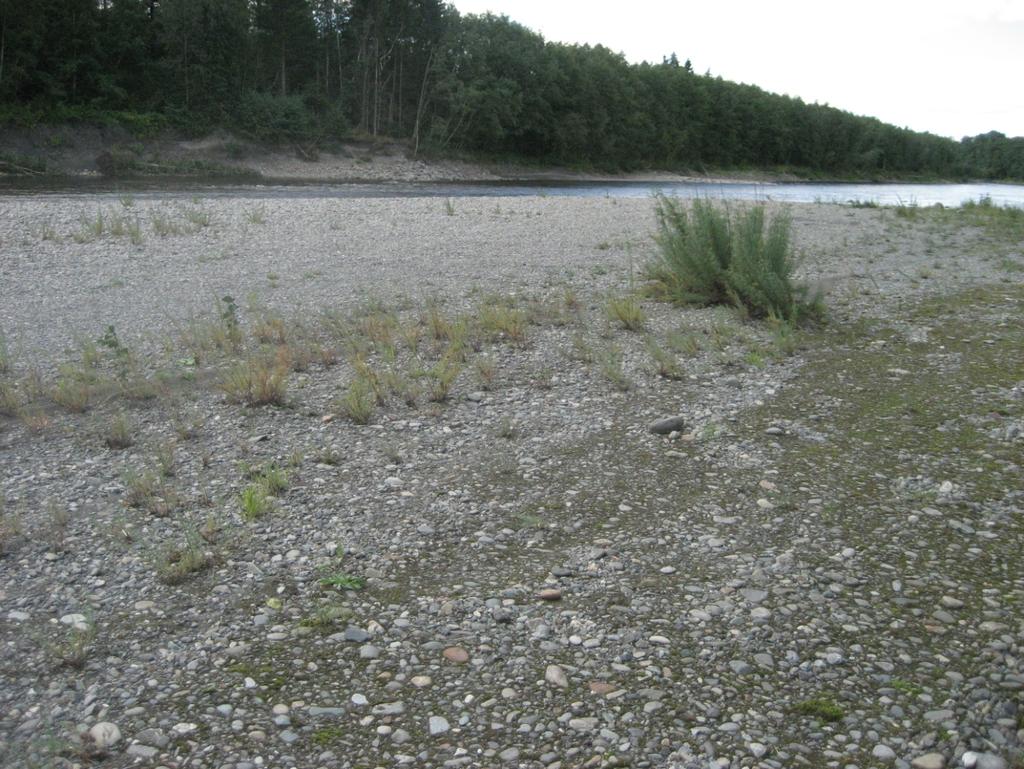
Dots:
pixel 707 257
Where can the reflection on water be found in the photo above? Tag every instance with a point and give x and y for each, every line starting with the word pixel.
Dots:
pixel 789 192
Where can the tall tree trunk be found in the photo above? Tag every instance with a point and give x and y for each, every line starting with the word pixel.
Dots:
pixel 421 105
pixel 3 48
pixel 284 72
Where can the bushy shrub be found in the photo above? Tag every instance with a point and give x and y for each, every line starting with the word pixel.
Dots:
pixel 268 117
pixel 707 257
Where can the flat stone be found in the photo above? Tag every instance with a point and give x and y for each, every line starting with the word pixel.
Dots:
pixel 989 761
pixel 938 715
pixel 752 595
pixel 550 594
pixel 456 654
pixel 389 709
pixel 668 425
pixel 929 761
pixel 438 725
pixel 144 752
pixel 583 724
pixel 421 682
pixel 369 652
pixel 356 634
pixel 509 754
pixel 601 687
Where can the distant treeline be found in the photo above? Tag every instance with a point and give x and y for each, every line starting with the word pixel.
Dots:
pixel 311 71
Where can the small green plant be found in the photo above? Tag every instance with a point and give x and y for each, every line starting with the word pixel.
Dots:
pixel 506 429
pixel 73 645
pixel 256 215
pixel 146 492
pixel 254 502
pixel 627 312
pixel 165 460
pixel 486 370
pixel 684 343
pixel 665 364
pixel 359 401
pixel 449 207
pixel 118 434
pixel 611 369
pixel 5 356
pixel 197 217
pixel 10 402
pixel 72 394
pixel 342 581
pixel 179 563
pixel 822 709
pixel 442 378
pixel 256 382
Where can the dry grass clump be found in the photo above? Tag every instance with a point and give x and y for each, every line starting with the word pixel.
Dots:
pixel 256 382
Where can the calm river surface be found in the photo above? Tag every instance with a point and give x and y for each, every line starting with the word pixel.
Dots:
pixel 795 192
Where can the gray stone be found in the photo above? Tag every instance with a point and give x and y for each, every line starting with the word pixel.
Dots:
pixel 356 634
pixel 555 675
pixel 883 753
pixel 389 709
pixel 509 754
pixel 668 425
pixel 438 725
pixel 588 724
pixel 144 752
pixel 938 715
pixel 369 652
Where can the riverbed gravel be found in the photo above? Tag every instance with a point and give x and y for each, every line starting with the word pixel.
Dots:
pixel 785 549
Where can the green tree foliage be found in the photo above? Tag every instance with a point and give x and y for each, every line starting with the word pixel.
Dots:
pixel 304 70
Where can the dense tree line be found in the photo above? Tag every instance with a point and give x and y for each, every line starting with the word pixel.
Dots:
pixel 312 70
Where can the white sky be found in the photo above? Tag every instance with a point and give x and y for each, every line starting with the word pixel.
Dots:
pixel 951 68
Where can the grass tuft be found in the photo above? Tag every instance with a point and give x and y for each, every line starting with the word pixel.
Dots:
pixel 256 382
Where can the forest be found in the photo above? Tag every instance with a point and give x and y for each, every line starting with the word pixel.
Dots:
pixel 314 72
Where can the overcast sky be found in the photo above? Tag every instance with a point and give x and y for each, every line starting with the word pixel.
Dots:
pixel 951 68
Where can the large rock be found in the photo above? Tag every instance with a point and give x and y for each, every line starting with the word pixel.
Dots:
pixel 668 425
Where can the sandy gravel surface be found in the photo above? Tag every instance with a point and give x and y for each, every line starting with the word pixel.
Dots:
pixel 463 533
pixel 307 255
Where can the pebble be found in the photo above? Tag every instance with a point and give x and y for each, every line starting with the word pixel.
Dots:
pixel 929 761
pixel 883 753
pixel 438 725
pixel 550 594
pixel 105 734
pixel 556 676
pixel 456 654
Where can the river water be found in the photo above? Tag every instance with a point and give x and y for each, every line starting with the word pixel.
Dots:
pixel 786 192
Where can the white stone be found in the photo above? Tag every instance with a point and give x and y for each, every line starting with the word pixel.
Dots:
pixel 555 675
pixel 105 734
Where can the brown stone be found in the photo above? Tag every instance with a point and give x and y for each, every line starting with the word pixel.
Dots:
pixel 601 687
pixel 550 594
pixel 456 654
